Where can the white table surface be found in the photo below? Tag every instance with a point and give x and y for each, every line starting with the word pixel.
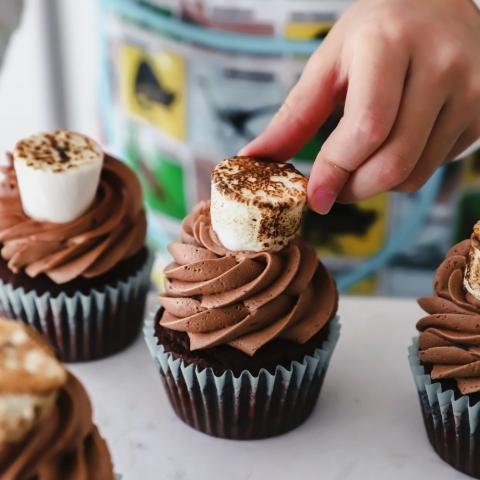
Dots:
pixel 367 424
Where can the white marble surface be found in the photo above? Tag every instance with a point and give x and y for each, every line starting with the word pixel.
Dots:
pixel 367 424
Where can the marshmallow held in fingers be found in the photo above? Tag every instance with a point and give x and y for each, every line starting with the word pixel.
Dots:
pixel 471 279
pixel 30 377
pixel 58 175
pixel 256 205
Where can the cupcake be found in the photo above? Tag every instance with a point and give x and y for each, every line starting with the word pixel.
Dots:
pixel 247 323
pixel 46 426
pixel 445 358
pixel 72 240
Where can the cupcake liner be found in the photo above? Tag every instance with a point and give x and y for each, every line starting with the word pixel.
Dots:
pixel 245 406
pixel 452 424
pixel 83 327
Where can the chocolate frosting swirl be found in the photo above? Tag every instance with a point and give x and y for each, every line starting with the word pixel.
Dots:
pixel 243 299
pixel 450 334
pixel 113 229
pixel 65 446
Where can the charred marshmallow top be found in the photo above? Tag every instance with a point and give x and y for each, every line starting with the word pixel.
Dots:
pixel 471 279
pixel 58 174
pixel 256 205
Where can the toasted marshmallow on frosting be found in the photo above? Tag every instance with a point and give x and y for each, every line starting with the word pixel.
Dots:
pixel 30 377
pixel 58 175
pixel 471 280
pixel 256 205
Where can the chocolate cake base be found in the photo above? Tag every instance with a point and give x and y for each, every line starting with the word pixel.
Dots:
pixel 451 384
pixel 225 393
pixel 223 358
pixel 85 319
pixel 42 284
pixel 449 433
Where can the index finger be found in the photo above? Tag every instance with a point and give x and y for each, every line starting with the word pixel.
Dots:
pixel 305 109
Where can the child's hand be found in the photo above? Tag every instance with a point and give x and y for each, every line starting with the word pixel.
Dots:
pixel 408 72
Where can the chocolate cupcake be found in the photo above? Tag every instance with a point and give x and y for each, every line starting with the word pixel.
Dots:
pixel 72 235
pixel 445 358
pixel 46 426
pixel 248 320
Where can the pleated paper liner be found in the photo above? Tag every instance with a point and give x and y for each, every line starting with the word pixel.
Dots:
pixel 452 425
pixel 83 326
pixel 247 406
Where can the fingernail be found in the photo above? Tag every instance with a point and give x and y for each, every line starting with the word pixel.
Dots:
pixel 322 200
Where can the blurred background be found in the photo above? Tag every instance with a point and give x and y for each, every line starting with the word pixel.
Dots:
pixel 174 86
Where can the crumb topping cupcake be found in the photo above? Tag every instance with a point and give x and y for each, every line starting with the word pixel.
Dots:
pixel 46 426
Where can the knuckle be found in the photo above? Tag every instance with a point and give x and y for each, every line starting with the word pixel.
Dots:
pixel 288 113
pixel 471 94
pixel 394 172
pixel 398 24
pixel 336 167
pixel 439 73
pixel 285 110
pixel 371 130
pixel 450 62
pixel 370 32
pixel 397 30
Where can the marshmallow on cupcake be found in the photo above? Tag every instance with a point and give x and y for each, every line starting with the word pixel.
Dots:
pixel 256 205
pixel 471 279
pixel 58 174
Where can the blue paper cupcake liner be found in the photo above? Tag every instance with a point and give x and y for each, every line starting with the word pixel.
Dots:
pixel 452 424
pixel 245 406
pixel 83 326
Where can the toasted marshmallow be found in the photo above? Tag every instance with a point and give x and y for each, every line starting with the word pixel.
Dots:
pixel 57 174
pixel 471 280
pixel 256 205
pixel 30 377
